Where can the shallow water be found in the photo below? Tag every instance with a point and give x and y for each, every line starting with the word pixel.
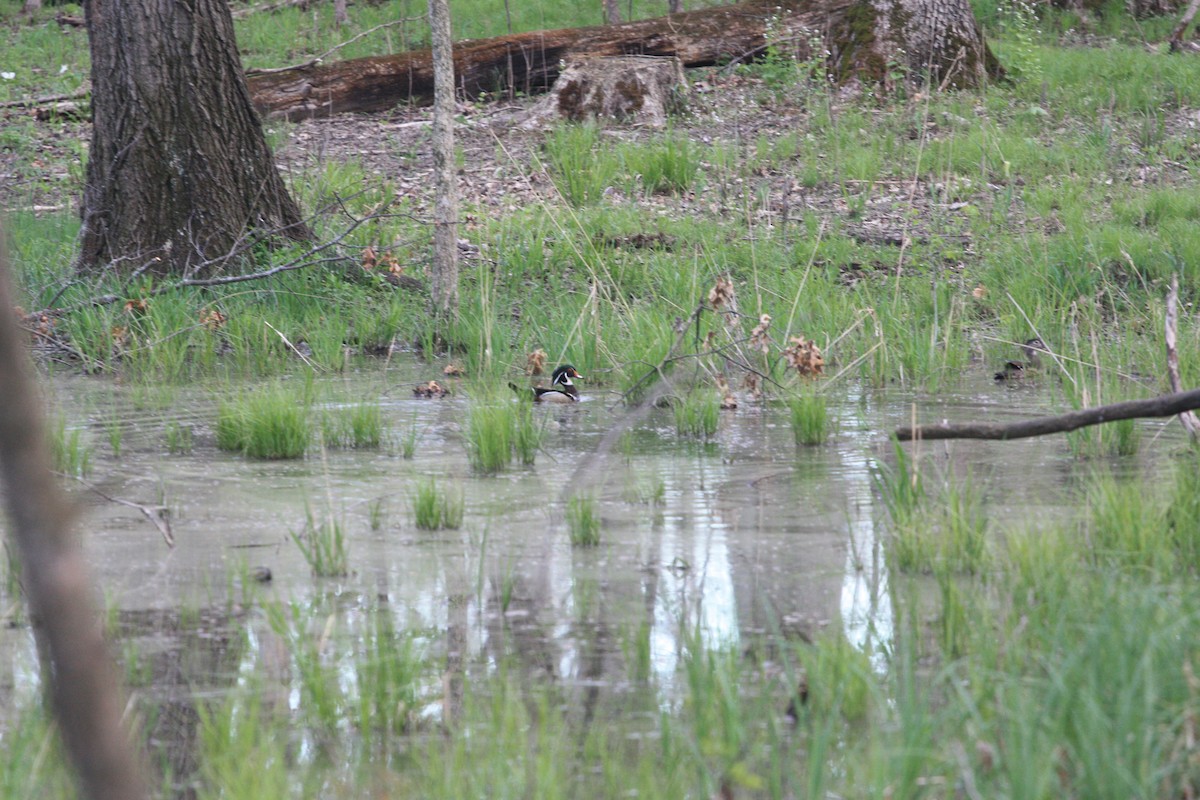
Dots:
pixel 751 536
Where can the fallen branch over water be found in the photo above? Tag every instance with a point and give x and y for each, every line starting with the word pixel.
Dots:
pixel 1167 405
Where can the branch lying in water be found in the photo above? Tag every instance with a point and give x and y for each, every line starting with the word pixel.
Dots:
pixel 1167 405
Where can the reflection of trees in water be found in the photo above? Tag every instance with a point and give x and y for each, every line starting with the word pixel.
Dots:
pixel 173 657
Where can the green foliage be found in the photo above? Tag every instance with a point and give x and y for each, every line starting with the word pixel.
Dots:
pixel 70 453
pixel 810 419
pixel 267 423
pixel 434 508
pixel 583 521
pixel 322 541
pixel 697 413
pixel 499 431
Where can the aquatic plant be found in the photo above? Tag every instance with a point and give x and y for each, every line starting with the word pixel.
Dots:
pixel 179 438
pixel 810 418
pixel 583 521
pixel 269 423
pixel 355 426
pixel 434 508
pixel 322 541
pixel 697 413
pixel 68 450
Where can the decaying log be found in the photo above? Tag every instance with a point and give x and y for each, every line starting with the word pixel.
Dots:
pixel 1190 422
pixel 1165 406
pixel 864 38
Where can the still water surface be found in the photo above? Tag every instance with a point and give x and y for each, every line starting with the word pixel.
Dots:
pixel 739 537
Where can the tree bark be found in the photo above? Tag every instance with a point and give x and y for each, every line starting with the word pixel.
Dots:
pixel 444 283
pixel 1165 406
pixel 864 39
pixel 81 679
pixel 612 12
pixel 179 175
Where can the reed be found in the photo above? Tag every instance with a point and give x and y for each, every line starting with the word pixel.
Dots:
pixel 583 521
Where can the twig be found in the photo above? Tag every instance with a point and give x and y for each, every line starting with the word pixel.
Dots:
pixel 286 341
pixel 30 102
pixel 318 59
pixel 1164 406
pixel 1191 423
pixel 158 515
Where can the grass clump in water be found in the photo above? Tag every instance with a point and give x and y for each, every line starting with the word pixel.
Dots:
pixel 69 452
pixel 269 423
pixel 179 438
pixel 698 413
pixel 583 521
pixel 323 544
pixel 810 419
pixel 499 432
pixel 434 508
pixel 358 426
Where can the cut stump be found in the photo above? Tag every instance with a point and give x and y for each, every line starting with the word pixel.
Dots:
pixel 638 90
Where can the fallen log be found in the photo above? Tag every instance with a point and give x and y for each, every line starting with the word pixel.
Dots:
pixel 938 38
pixel 1167 405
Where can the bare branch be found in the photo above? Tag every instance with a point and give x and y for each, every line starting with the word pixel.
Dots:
pixel 1164 406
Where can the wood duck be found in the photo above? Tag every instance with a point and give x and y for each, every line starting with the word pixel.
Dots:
pixel 1015 370
pixel 561 390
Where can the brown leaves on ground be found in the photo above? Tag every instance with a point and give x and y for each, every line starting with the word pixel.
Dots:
pixel 137 306
pixel 535 362
pixel 804 356
pixel 431 389
pixel 454 371
pixel 721 293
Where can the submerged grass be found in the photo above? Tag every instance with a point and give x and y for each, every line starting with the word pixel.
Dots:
pixel 322 541
pixel 583 521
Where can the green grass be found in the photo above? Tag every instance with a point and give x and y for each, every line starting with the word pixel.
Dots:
pixel 69 451
pixel 435 508
pixel 270 423
pixel 499 431
pixel 697 413
pixel 810 419
pixel 583 521
pixel 322 541
pixel 355 426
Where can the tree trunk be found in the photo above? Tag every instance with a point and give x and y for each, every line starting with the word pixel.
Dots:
pixel 612 12
pixel 80 680
pixel 340 17
pixel 936 40
pixel 674 6
pixel 179 176
pixel 444 283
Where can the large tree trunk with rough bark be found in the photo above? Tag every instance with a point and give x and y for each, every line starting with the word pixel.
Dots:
pixel 937 41
pixel 179 175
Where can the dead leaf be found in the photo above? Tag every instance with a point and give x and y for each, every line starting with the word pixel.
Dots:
pixel 137 306
pixel 535 362
pixel 369 259
pixel 728 401
pixel 212 319
pixel 722 293
pixel 804 356
pixel 759 339
pixel 979 292
pixel 454 371
pixel 431 389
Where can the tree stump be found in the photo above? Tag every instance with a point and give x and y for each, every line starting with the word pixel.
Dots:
pixel 639 90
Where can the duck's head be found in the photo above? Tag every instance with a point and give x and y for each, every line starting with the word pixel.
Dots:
pixel 563 375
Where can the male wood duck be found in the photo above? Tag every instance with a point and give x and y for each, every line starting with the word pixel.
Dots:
pixel 1015 370
pixel 561 390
